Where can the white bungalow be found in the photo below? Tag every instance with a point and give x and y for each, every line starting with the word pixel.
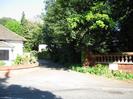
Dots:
pixel 11 45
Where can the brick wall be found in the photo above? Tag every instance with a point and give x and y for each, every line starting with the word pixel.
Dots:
pixel 126 67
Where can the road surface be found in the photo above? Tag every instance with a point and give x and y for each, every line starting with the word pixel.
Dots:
pixel 52 83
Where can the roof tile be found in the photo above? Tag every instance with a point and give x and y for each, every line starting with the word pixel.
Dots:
pixel 6 34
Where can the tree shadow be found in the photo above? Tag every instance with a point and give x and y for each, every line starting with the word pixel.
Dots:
pixel 20 92
pixel 51 64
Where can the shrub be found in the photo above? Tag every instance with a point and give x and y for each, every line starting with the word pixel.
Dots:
pixel 122 75
pixel 43 55
pixel 18 60
pixel 2 63
pixel 103 70
pixel 34 54
pixel 27 58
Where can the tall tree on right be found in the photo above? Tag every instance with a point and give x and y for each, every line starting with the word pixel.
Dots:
pixel 123 13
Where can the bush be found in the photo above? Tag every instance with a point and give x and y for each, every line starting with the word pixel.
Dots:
pixel 43 55
pixel 27 58
pixel 122 75
pixel 103 70
pixel 18 60
pixel 34 54
pixel 2 63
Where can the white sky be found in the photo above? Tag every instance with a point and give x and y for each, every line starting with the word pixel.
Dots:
pixel 14 8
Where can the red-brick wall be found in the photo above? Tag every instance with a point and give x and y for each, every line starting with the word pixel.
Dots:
pixel 126 67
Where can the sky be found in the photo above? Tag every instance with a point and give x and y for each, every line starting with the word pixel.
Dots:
pixel 14 8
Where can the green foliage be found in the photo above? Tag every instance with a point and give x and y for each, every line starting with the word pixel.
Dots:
pixel 77 24
pixel 32 31
pixel 2 63
pixel 34 54
pixel 74 20
pixel 12 24
pixel 56 33
pixel 18 60
pixel 122 75
pixel 93 27
pixel 72 25
pixel 122 13
pixel 23 20
pixel 43 55
pixel 33 35
pixel 27 58
pixel 102 70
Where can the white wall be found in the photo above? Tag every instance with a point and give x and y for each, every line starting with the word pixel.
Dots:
pixel 42 47
pixel 17 48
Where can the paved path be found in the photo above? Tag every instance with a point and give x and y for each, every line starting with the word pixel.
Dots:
pixel 48 83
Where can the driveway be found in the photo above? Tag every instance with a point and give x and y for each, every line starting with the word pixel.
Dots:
pixel 51 83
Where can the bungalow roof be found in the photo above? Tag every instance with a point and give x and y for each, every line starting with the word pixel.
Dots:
pixel 6 34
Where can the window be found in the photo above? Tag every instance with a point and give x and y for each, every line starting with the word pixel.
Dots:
pixel 4 54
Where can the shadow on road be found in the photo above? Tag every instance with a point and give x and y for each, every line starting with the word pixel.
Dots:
pixel 20 92
pixel 52 65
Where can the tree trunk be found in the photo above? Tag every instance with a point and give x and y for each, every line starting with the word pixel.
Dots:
pixel 88 58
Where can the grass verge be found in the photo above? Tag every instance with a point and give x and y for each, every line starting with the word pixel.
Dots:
pixel 102 70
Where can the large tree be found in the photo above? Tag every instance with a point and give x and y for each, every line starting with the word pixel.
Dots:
pixel 56 32
pixel 123 13
pixel 73 25
pixel 93 29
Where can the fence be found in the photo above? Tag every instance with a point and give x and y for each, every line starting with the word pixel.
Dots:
pixel 123 58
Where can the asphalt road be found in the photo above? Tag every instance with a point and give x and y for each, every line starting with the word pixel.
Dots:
pixel 49 83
